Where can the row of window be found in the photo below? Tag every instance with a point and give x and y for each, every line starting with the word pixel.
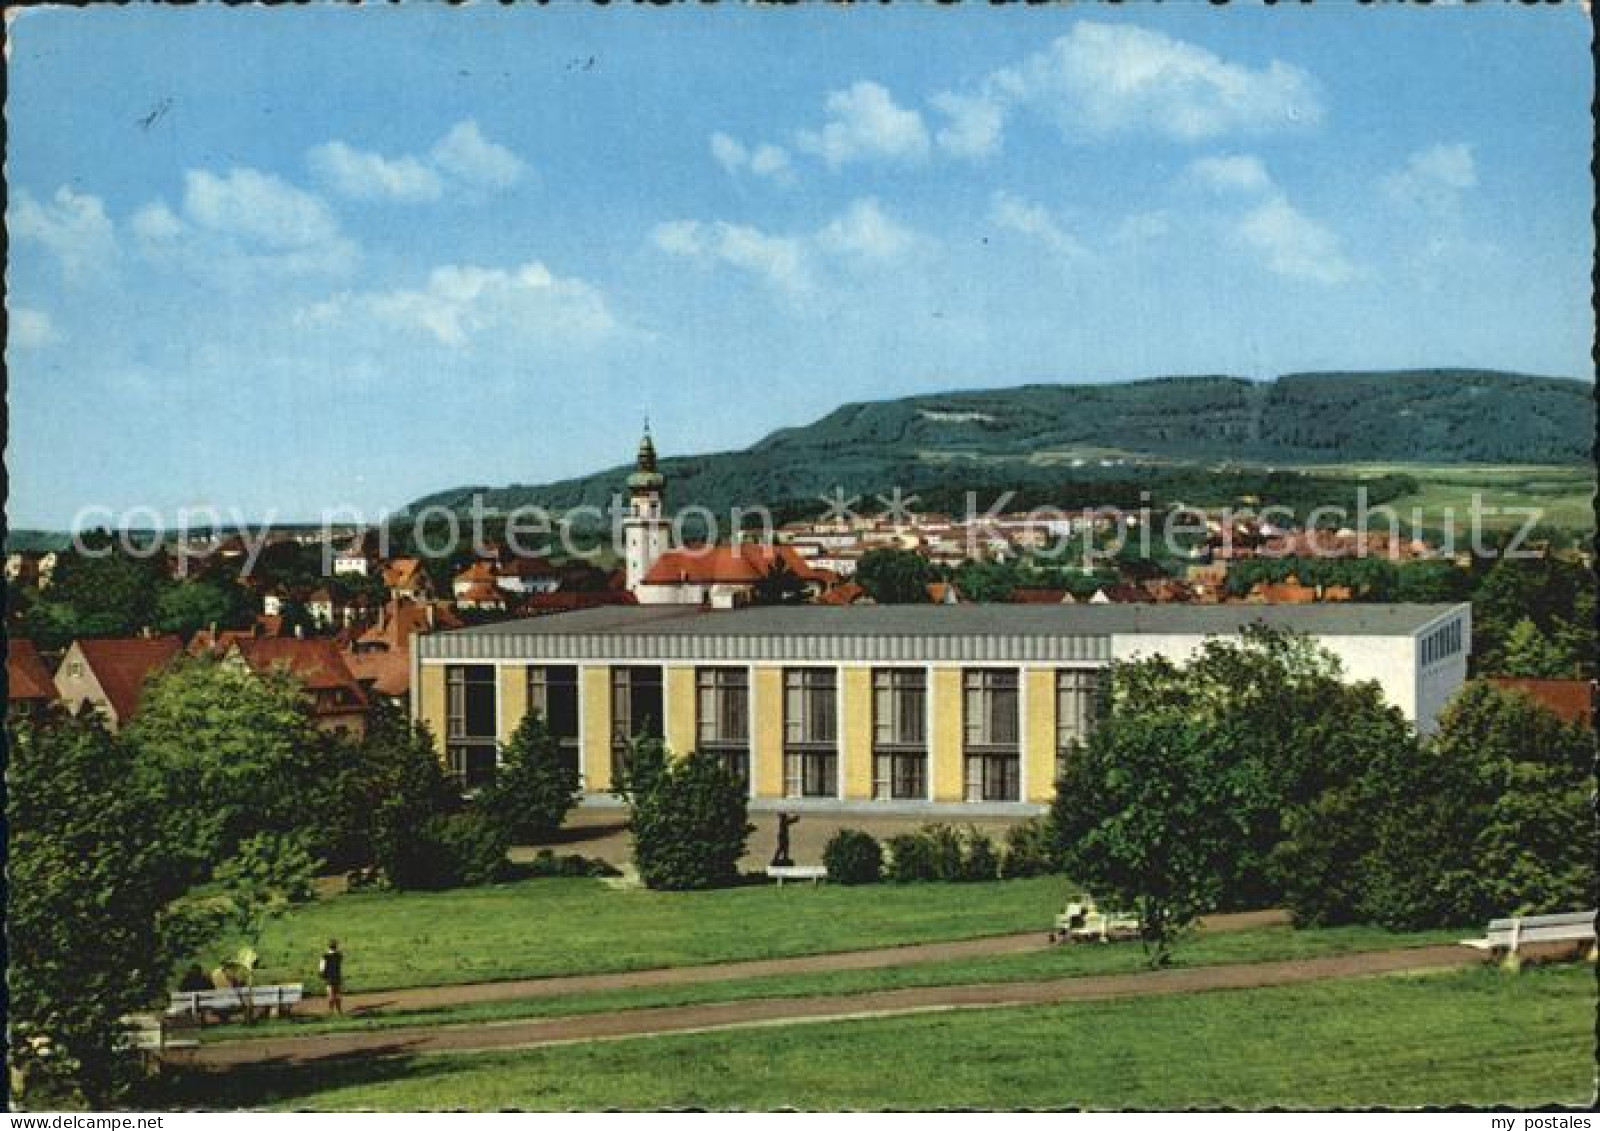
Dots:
pixel 991 735
pixel 1441 643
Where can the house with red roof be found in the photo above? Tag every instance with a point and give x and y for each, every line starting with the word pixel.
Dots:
pixel 407 578
pixel 109 674
pixel 30 688
pixel 723 575
pixel 337 699
pixel 1571 699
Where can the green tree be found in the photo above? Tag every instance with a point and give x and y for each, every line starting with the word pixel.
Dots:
pixel 1529 652
pixel 401 786
pixel 535 786
pixel 1431 582
pixel 190 606
pixel 1555 595
pixel 689 823
pixel 1146 820
pixel 895 577
pixel 232 753
pixel 99 590
pixel 81 931
pixel 779 585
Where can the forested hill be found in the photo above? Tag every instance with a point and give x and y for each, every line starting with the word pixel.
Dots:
pixel 1447 416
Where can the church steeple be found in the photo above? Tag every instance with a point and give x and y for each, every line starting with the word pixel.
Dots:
pixel 645 527
pixel 646 478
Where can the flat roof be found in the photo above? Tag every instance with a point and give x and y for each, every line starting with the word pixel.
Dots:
pixel 1326 619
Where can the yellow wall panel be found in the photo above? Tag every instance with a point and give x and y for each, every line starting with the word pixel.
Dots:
pixel 596 712
pixel 431 702
pixel 766 708
pixel 513 685
pixel 855 740
pixel 680 710
pixel 1039 759
pixel 944 744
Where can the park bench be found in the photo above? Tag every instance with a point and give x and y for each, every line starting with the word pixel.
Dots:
pixel 147 1034
pixel 1084 922
pixel 1509 937
pixel 193 1005
pixel 816 873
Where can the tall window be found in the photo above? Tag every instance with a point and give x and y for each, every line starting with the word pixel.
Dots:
pixel 899 734
pixel 1077 700
pixel 553 695
pixel 636 711
pixel 993 750
pixel 810 732
pixel 470 730
pixel 723 716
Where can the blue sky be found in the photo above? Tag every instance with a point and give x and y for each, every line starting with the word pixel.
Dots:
pixel 281 259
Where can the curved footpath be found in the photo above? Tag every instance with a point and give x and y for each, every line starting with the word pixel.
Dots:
pixel 310 1050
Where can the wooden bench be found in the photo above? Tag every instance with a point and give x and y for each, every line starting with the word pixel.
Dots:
pixel 146 1034
pixel 816 873
pixel 1509 937
pixel 193 1005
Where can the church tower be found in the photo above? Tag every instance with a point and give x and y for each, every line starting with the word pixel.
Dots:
pixel 645 528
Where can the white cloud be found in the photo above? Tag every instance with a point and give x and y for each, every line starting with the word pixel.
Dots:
pixel 975 124
pixel 1232 173
pixel 233 228
pixel 30 329
pixel 470 157
pixel 1438 173
pixel 462 305
pixel 257 206
pixel 360 175
pixel 1288 242
pixel 764 160
pixel 865 231
pixel 1034 221
pixel 865 123
pixel 780 260
pixel 1294 245
pixel 73 227
pixel 1104 79
pixel 1143 227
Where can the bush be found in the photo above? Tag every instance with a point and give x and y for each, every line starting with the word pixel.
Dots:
pixel 689 824
pixel 534 788
pixel 942 853
pixel 980 863
pixel 456 850
pixel 1030 851
pixel 911 859
pixel 853 857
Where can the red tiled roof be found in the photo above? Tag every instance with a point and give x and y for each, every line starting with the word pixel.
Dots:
pixel 387 673
pixel 1038 595
pixel 481 592
pixel 743 564
pixel 476 572
pixel 846 594
pixel 315 662
pixel 402 573
pixel 27 678
pixel 122 665
pixel 1571 699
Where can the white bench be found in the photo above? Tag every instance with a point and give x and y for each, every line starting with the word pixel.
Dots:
pixel 1509 936
pixel 816 873
pixel 1084 922
pixel 195 1004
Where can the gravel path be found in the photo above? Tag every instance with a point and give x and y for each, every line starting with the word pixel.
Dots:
pixel 770 1011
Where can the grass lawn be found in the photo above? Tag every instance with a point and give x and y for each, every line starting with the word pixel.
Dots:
pixel 1476 1037
pixel 542 927
pixel 1264 944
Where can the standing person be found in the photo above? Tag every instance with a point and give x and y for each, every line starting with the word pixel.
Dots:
pixel 332 970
